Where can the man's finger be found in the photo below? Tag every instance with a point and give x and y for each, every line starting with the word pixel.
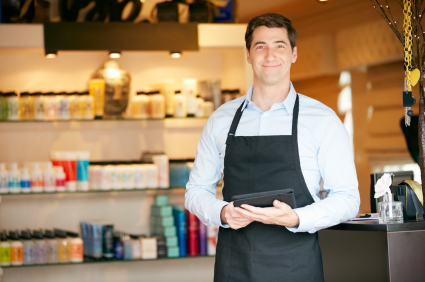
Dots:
pixel 250 215
pixel 253 209
pixel 279 205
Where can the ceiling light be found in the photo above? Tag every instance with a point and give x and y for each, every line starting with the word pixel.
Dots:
pixel 175 55
pixel 51 55
pixel 114 55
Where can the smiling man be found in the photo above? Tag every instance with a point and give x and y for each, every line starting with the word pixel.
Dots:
pixel 271 139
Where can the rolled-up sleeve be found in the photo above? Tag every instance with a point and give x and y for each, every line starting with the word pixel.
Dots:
pixel 336 164
pixel 200 197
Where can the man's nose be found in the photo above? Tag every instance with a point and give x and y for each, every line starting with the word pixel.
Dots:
pixel 270 54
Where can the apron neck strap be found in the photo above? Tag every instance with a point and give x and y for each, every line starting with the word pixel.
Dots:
pixel 238 116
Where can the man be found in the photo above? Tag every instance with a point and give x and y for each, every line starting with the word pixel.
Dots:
pixel 272 139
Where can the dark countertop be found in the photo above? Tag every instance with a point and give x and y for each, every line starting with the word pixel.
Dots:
pixel 373 225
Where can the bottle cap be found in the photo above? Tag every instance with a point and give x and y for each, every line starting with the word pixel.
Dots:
pixel 3 236
pixel 49 234
pixel 225 91
pixel 23 94
pixel 72 234
pixel 36 93
pixel 74 93
pixel 140 92
pixel 60 233
pixel 14 166
pixel 12 93
pixel 25 235
pixel 13 235
pixel 37 234
pixel 84 93
pixel 177 92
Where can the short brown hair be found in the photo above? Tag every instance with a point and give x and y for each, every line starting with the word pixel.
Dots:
pixel 270 20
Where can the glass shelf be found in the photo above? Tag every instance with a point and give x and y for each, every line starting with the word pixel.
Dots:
pixel 94 261
pixel 104 119
pixel 98 191
pixel 94 191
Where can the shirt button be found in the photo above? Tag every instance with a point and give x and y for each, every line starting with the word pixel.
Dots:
pixel 265 115
pixel 250 103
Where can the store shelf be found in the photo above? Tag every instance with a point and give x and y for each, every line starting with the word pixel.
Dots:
pixel 177 189
pixel 104 119
pixel 93 261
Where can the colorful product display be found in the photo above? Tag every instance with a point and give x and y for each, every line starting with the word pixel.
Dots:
pixel 184 234
pixel 36 247
pixel 46 106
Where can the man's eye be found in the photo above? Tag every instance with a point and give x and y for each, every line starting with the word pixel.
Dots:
pixel 280 46
pixel 260 47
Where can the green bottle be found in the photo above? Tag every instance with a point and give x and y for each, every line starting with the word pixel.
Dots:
pixel 3 107
pixel 4 250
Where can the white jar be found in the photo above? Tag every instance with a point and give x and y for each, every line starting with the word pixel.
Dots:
pixel 116 175
pixel 64 106
pixel 36 179
pixel 139 176
pixel 127 177
pixel 157 104
pixel 74 105
pixel 208 108
pixel 151 175
pixel 140 105
pixel 49 178
pixel 12 106
pixel 94 171
pixel 87 105
pixel 199 107
pixel 38 106
pixel 189 86
pixel 180 101
pixel 161 161
pixel 51 106
pixel 105 177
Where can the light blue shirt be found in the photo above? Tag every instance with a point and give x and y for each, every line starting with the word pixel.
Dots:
pixel 324 148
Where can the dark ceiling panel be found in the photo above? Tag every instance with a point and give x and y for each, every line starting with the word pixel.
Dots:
pixel 120 36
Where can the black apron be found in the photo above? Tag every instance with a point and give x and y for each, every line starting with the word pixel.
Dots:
pixel 263 252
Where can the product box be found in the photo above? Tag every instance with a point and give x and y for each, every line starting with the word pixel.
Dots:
pixel 148 248
pixel 173 252
pixel 172 241
pixel 180 219
pixel 161 210
pixel 163 231
pixel 161 200
pixel 193 234
pixel 212 234
pixel 202 239
pixel 162 221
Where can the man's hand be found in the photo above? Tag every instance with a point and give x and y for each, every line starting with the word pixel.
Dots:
pixel 280 214
pixel 235 220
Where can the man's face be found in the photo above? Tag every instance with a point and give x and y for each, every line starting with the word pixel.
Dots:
pixel 271 55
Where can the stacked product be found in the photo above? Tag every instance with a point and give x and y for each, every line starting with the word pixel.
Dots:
pixel 34 247
pixel 162 225
pixel 164 101
pixel 68 171
pixel 102 242
pixel 46 106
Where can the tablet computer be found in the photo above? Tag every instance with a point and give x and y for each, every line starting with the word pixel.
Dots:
pixel 265 199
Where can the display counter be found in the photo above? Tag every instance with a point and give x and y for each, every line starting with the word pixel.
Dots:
pixel 369 251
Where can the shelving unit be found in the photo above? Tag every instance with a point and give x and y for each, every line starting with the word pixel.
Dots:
pixel 105 119
pixel 88 261
pixel 24 67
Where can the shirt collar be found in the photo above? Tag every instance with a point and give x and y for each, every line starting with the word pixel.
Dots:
pixel 288 104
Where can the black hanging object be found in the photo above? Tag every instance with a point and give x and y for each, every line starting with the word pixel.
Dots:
pixel 411 135
pixel 408 99
pixel 68 10
pixel 118 7
pixel 98 13
pixel 201 12
pixel 168 11
pixel 410 113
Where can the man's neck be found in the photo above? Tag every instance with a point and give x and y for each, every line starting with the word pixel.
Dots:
pixel 264 96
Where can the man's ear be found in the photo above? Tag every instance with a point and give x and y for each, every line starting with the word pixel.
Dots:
pixel 294 54
pixel 248 57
